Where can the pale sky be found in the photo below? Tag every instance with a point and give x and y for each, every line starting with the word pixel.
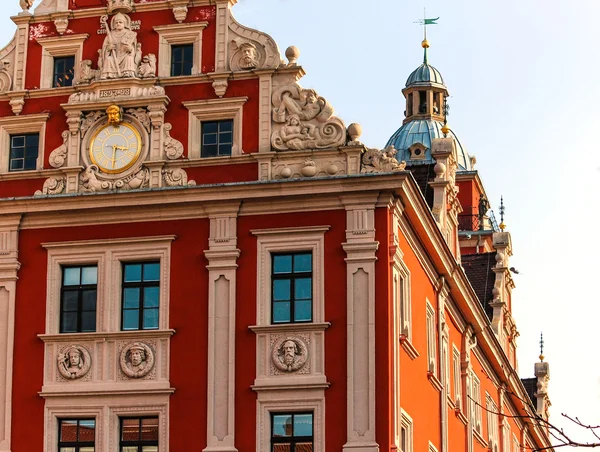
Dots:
pixel 525 95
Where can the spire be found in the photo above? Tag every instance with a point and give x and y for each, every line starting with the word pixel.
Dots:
pixel 542 347
pixel 502 211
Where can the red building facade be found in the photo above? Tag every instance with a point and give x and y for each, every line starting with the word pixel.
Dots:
pixel 196 253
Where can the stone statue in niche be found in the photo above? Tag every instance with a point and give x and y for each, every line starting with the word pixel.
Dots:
pixel 74 362
pixel 289 354
pixel 304 120
pixel 121 54
pixel 137 360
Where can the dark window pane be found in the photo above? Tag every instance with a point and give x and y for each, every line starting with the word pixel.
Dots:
pixel 71 276
pixel 131 319
pixel 224 149
pixel 302 310
pixel 281 312
pixel 226 138
pixel 281 289
pixel 303 263
pixel 88 300
pixel 226 126
pixel 88 321
pixel 282 264
pixel 63 71
pixel 209 151
pixel 30 164
pixel 209 139
pixel 70 300
pixel 150 319
pixel 17 141
pixel 150 429
pixel 210 127
pixel 152 271
pixel 151 296
pixel 130 429
pixel 133 272
pixel 282 425
pixel 131 298
pixel 303 288
pixel 17 153
pixel 32 140
pixel 69 322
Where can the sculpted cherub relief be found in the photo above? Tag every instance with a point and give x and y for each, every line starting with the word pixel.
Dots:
pixel 304 120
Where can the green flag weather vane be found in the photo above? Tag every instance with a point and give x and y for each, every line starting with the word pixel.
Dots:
pixel 425 21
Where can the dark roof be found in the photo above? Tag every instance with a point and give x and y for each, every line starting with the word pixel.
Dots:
pixel 531 388
pixel 423 174
pixel 478 268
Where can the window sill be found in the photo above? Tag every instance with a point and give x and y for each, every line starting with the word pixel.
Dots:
pixel 285 327
pixel 461 417
pixel 435 382
pixel 130 334
pixel 408 347
pixel 479 438
pixel 451 403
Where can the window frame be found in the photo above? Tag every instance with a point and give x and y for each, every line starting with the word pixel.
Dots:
pixel 476 404
pixel 139 443
pixel 60 46
pixel 181 63
pixel 11 149
pixel 292 439
pixel 292 277
pixel 432 366
pixel 492 423
pixel 214 110
pixel 457 373
pixel 80 289
pixel 218 134
pixel 54 73
pixel 406 424
pixel 178 34
pixel 77 444
pixel 141 285
pixel 22 125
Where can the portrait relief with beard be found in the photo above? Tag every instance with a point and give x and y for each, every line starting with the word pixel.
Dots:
pixel 290 354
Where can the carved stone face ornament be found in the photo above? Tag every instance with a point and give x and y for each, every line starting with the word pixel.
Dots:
pixel 74 362
pixel 289 354
pixel 137 360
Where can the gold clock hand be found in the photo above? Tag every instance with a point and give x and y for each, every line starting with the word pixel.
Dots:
pixel 114 154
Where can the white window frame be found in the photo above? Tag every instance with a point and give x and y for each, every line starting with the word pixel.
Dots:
pixel 406 423
pixel 402 292
pixel 108 255
pixel 59 46
pixel 178 34
pixel 446 366
pixel 516 444
pixel 270 241
pixel 431 447
pixel 475 403
pixel 214 110
pixel 432 366
pixel 492 423
pixel 17 125
pixel 507 434
pixel 457 371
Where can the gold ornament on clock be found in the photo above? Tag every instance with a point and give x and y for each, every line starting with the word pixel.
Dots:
pixel 116 146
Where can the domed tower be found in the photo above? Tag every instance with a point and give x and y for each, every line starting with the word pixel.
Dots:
pixel 425 94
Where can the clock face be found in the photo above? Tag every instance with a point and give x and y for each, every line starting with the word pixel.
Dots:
pixel 115 148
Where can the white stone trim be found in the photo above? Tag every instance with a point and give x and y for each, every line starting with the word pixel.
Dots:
pixel 15 125
pixel 106 410
pixel 290 401
pixel 310 238
pixel 59 46
pixel 432 365
pixel 108 255
pixel 175 34
pixel 214 110
pixel 406 423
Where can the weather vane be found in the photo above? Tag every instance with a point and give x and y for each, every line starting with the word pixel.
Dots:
pixel 502 212
pixel 542 347
pixel 425 21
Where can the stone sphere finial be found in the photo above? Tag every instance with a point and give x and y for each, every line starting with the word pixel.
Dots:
pixel 355 131
pixel 292 53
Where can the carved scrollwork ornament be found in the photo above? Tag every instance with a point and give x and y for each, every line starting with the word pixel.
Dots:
pixel 289 354
pixel 91 119
pixel 177 178
pixel 141 115
pixel 59 155
pixel 74 362
pixel 381 161
pixel 5 77
pixel 52 186
pixel 173 147
pixel 136 360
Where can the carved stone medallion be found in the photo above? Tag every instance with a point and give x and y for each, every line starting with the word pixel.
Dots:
pixel 289 354
pixel 74 362
pixel 136 360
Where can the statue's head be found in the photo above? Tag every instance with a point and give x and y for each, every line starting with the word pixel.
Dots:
pixel 137 355
pixel 114 114
pixel 120 22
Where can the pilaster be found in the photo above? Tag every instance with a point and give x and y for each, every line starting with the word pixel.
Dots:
pixel 20 66
pixel 9 266
pixel 264 114
pixel 222 267
pixel 503 246
pixel 360 248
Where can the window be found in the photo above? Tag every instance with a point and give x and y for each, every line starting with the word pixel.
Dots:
pixel 406 433
pixel 446 366
pixel 431 340
pixel 217 138
pixel 182 59
pixel 506 437
pixel 139 434
pixel 291 293
pixel 64 71
pixel 76 435
pixel 141 295
pixel 492 423
pixel 457 377
pixel 24 152
pixel 475 398
pixel 292 432
pixel 78 299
